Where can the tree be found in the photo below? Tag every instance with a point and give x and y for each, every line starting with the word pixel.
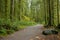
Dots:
pixel 58 11
pixel 51 7
pixel 12 10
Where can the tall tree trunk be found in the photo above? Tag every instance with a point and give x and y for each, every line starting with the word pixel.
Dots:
pixel 49 20
pixel 11 9
pixel 19 1
pixel 45 11
pixel 58 11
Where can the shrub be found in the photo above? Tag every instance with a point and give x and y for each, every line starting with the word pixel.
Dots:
pixel 8 27
pixel 3 31
pixel 26 23
pixel 10 31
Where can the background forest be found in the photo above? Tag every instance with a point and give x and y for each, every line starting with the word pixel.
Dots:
pixel 18 14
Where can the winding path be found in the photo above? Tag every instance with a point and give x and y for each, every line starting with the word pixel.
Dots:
pixel 30 33
pixel 26 34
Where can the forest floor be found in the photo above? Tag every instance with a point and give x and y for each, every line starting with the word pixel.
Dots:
pixel 31 33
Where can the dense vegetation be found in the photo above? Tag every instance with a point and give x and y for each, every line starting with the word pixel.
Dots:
pixel 18 14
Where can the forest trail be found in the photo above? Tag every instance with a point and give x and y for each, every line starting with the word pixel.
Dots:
pixel 30 33
pixel 26 34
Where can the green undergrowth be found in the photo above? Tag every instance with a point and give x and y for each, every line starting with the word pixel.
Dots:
pixel 7 27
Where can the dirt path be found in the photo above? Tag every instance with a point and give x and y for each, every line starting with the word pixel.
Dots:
pixel 26 34
pixel 31 33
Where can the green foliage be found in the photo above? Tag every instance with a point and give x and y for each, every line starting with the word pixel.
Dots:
pixel 26 18
pixel 4 21
pixel 8 27
pixel 5 25
pixel 27 23
pixel 3 31
pixel 10 31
